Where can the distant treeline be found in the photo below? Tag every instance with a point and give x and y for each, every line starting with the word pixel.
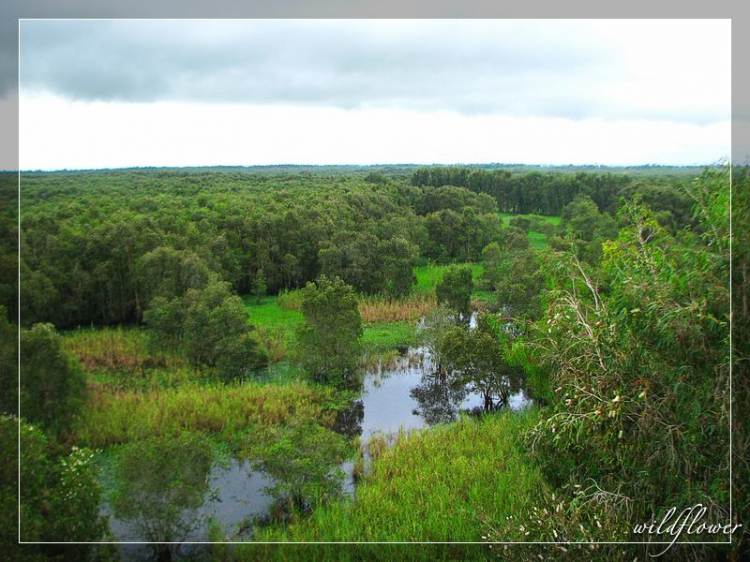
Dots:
pixel 97 246
pixel 546 193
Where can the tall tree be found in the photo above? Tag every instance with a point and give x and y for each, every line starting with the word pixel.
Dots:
pixel 454 289
pixel 328 340
pixel 53 384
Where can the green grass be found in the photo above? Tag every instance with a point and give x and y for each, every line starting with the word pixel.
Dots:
pixel 266 313
pixel 550 219
pixel 384 336
pixel 444 484
pixel 429 275
pixel 119 416
pixel 537 240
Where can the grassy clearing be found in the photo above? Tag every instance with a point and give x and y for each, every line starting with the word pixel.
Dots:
pixel 537 240
pixel 384 336
pixel 113 417
pixel 266 313
pixel 429 275
pixel 444 484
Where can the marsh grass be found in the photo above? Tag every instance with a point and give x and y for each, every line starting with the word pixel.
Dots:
pixel 274 340
pixel 119 416
pixel 382 337
pixel 118 348
pixel 440 484
pixel 376 308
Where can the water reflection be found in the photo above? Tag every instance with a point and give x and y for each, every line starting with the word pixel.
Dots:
pixel 439 398
pixel 348 421
pixel 409 394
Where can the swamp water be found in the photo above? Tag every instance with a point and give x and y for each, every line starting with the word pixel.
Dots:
pixel 405 394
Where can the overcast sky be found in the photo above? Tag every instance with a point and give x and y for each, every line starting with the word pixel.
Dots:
pixel 98 94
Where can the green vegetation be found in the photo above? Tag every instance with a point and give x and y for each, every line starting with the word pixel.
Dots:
pixel 454 289
pixel 113 417
pixel 384 336
pixel 8 363
pixel 210 326
pixel 60 495
pixel 428 276
pixel 53 385
pixel 540 228
pixel 477 359
pixel 436 485
pixel 328 343
pixel 159 485
pixel 195 313
pixel 303 459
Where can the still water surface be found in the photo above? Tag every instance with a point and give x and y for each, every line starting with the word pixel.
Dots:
pixel 405 396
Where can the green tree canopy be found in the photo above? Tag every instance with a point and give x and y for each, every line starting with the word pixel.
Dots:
pixel 303 460
pixel 60 496
pixel 212 326
pixel 328 340
pixel 454 289
pixel 53 384
pixel 8 364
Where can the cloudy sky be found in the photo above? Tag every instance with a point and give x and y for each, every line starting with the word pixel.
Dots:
pixel 102 93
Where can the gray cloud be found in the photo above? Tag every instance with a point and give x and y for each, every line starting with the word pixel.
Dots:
pixel 471 67
pixel 541 68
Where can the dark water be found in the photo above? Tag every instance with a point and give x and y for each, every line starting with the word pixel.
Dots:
pixel 237 497
pixel 405 395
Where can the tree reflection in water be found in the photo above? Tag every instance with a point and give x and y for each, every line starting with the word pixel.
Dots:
pixel 348 420
pixel 439 397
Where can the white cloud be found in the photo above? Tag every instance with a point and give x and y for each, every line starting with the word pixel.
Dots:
pixel 190 92
pixel 57 134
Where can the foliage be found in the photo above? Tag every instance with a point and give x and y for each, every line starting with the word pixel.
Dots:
pixel 211 326
pixel 168 273
pixel 53 385
pixel 741 345
pixel 477 359
pixel 537 192
pixel 302 458
pixel 329 340
pixel 60 496
pixel 119 416
pixel 260 288
pixel 432 485
pixel 586 229
pixel 513 238
pixel 370 264
pixel 8 364
pixel 516 277
pixel 97 246
pixel 454 290
pixel 640 371
pixel 160 483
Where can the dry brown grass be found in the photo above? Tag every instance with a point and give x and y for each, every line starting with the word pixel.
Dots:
pixel 383 309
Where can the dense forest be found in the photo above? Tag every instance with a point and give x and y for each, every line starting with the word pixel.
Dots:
pixel 94 244
pixel 568 332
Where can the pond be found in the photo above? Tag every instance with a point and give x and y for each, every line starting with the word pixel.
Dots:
pixel 404 394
